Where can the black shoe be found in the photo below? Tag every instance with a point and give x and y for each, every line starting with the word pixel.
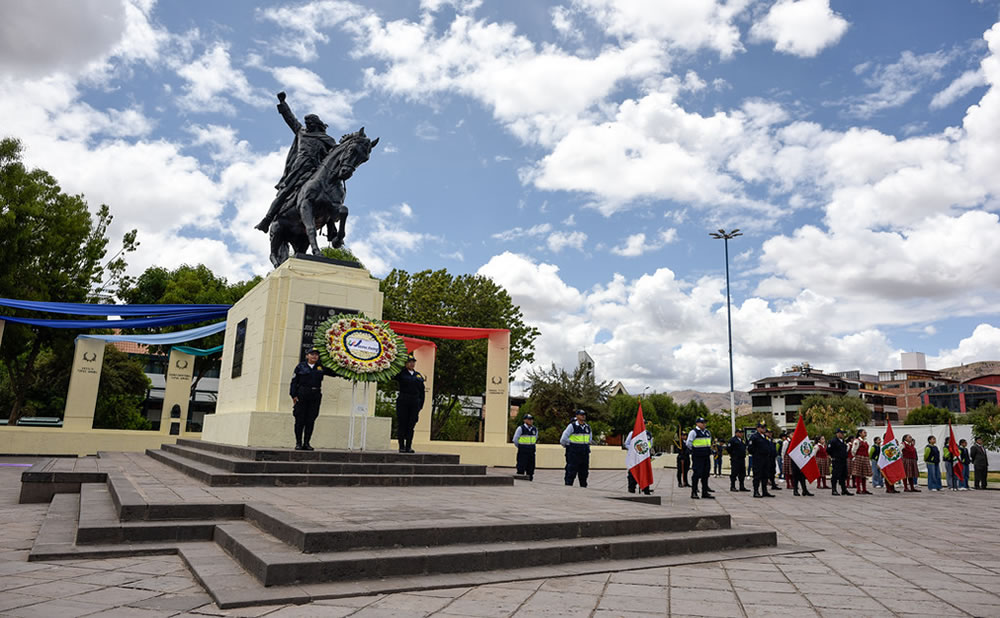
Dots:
pixel 298 447
pixel 708 497
pixel 531 477
pixel 306 447
pixel 846 493
pixel 796 492
pixel 836 493
pixel 733 489
pixel 744 489
pixel 757 495
pixel 631 491
pixel 709 490
pixel 694 496
pixel 767 495
pixel 410 450
pixel 806 493
pixel 648 492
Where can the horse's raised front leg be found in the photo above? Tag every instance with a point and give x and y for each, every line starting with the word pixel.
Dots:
pixel 306 212
pixel 341 220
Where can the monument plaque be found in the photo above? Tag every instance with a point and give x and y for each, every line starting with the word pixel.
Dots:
pixel 314 316
pixel 238 345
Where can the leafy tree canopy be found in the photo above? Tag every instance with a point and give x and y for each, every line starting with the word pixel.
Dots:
pixel 985 421
pixel 555 394
pixel 121 392
pixel 824 415
pixel 437 297
pixel 929 415
pixel 53 249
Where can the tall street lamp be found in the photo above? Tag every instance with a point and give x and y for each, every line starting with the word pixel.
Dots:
pixel 725 236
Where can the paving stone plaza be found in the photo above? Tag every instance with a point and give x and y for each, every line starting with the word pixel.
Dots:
pixel 931 554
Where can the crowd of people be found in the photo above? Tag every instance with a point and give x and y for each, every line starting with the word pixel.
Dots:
pixel 844 464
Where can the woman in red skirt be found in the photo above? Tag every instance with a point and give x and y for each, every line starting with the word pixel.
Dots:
pixel 861 463
pixel 910 471
pixel 823 463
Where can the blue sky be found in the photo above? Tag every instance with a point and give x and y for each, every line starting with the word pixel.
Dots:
pixel 577 152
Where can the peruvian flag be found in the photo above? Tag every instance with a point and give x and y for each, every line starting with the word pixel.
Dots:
pixel 800 449
pixel 637 459
pixel 890 457
pixel 956 454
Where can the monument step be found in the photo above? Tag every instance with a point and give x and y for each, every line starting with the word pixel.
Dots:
pixel 305 536
pixel 217 477
pixel 332 455
pixel 244 466
pixel 274 563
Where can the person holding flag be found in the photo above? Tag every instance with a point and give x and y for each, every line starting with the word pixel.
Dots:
pixel 802 458
pixel 890 460
pixel 637 460
pixel 955 459
pixel 911 473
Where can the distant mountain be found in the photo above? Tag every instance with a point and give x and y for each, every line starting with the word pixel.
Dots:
pixel 972 370
pixel 716 402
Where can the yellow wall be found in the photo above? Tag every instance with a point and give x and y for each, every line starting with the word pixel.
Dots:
pixel 61 441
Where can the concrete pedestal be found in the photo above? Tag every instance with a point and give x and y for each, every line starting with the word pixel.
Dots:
pixel 267 332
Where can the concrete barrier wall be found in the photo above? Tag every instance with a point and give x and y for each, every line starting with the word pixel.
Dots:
pixel 58 441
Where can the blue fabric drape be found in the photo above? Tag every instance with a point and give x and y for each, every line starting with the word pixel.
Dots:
pixel 197 351
pixel 105 309
pixel 180 336
pixel 165 320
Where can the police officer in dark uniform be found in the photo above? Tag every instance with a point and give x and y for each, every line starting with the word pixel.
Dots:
pixel 762 451
pixel 306 391
pixel 837 450
pixel 772 461
pixel 408 403
pixel 525 437
pixel 576 440
pixel 737 449
pixel 699 440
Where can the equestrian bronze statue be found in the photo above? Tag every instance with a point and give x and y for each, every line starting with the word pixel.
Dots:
pixel 312 189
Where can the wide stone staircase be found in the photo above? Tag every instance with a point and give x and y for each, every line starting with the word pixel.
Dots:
pixel 222 464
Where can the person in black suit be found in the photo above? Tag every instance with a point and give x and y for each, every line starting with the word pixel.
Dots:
pixel 306 392
pixel 762 452
pixel 837 449
pixel 980 463
pixel 737 449
pixel 408 403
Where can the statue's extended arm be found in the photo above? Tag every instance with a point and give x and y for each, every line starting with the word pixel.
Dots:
pixel 286 113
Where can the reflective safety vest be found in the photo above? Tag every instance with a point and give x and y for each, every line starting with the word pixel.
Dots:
pixel 580 436
pixel 702 443
pixel 528 437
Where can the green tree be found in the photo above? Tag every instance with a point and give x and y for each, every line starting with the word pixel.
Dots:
pixel 824 415
pixel 751 420
pixel 437 297
pixel 929 415
pixel 985 421
pixel 53 249
pixel 555 394
pixel 121 393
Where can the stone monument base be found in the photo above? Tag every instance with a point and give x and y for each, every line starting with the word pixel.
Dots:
pixel 277 430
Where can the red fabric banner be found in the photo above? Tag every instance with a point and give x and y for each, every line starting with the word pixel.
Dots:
pixel 413 343
pixel 443 332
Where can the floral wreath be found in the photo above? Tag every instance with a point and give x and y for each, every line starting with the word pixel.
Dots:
pixel 360 349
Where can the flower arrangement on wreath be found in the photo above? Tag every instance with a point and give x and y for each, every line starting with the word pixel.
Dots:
pixel 359 348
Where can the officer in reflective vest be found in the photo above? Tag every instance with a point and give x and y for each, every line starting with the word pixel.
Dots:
pixel 699 440
pixel 525 437
pixel 576 440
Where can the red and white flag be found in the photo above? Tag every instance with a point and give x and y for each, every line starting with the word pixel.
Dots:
pixel 956 454
pixel 637 459
pixel 890 457
pixel 802 452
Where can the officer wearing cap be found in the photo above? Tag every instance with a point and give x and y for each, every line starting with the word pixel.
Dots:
pixel 837 450
pixel 761 453
pixel 699 440
pixel 576 440
pixel 408 403
pixel 737 461
pixel 306 391
pixel 525 437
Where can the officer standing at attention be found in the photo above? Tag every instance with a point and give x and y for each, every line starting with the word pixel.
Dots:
pixel 699 440
pixel 761 451
pixel 837 449
pixel 737 461
pixel 525 437
pixel 306 391
pixel 408 403
pixel 576 440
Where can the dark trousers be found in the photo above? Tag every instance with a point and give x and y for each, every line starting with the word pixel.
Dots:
pixel 799 480
pixel 717 463
pixel 737 471
pixel 759 476
pixel 406 415
pixel 700 467
pixel 577 464
pixel 305 412
pixel 839 474
pixel 526 460
pixel 682 472
pixel 772 466
pixel 632 484
pixel 980 477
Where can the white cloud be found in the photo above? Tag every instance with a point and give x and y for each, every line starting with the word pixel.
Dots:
pixel 557 241
pixel 307 92
pixel 212 79
pixel 958 88
pixel 406 210
pixel 800 27
pixel 637 244
pixel 520 232
pixel 379 240
pixel 308 21
pixel 898 82
pixel 982 344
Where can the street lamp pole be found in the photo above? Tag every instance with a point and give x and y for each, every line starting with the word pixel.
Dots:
pixel 726 237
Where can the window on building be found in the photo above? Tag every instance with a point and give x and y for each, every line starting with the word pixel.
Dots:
pixel 794 400
pixel 772 385
pixel 807 383
pixel 758 401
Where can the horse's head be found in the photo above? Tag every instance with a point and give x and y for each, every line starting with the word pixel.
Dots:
pixel 354 149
